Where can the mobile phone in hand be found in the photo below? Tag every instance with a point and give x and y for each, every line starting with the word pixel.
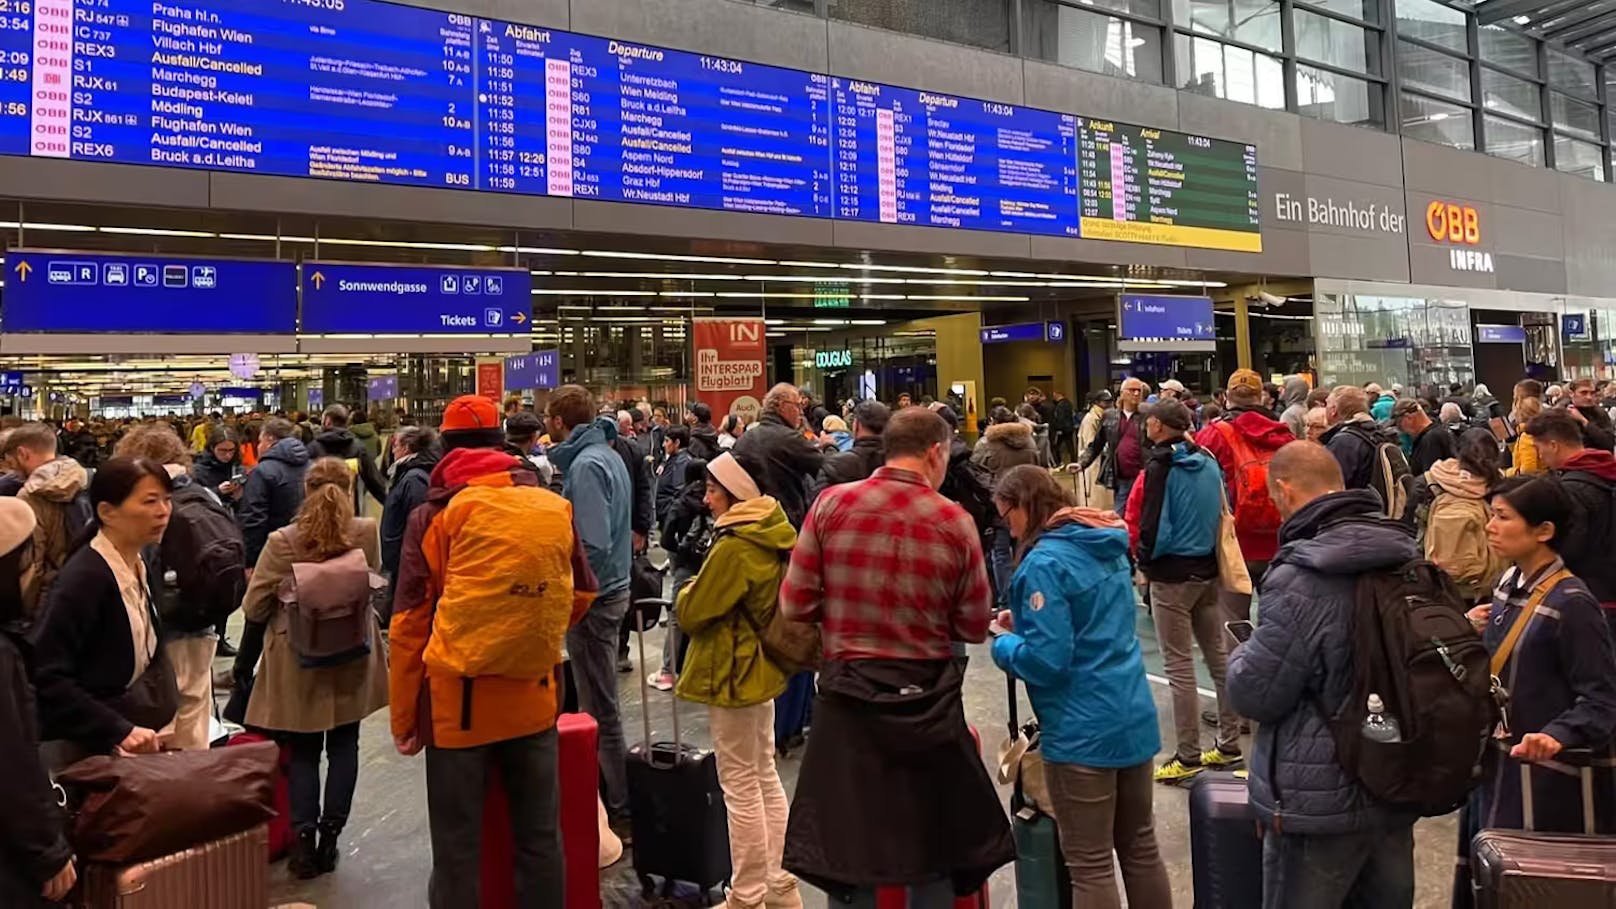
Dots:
pixel 1239 630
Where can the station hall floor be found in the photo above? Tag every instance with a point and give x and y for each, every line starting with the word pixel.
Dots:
pixel 386 851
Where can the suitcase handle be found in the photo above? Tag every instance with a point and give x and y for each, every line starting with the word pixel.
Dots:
pixel 1580 758
pixel 645 687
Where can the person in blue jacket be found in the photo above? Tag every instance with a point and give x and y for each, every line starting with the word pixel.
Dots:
pixel 1072 641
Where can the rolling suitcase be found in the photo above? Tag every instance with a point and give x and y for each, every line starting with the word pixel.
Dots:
pixel 1514 869
pixel 1042 879
pixel 579 773
pixel 1225 844
pixel 228 873
pixel 681 829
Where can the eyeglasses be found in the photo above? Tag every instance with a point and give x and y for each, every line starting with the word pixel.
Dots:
pixel 1002 509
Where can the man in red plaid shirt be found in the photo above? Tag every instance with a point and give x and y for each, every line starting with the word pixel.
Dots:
pixel 892 789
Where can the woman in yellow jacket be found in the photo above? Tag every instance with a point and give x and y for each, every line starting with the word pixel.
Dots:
pixel 1523 451
pixel 727 670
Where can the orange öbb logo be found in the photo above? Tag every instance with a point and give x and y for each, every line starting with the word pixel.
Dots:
pixel 1450 223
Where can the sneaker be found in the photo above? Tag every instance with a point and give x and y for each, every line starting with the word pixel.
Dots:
pixel 1242 775
pixel 224 649
pixel 1218 759
pixel 662 681
pixel 1176 771
pixel 624 664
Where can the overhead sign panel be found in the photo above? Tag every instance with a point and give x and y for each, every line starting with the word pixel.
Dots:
pixel 356 298
pixel 539 369
pixel 1500 334
pixel 90 293
pixel 1025 331
pixel 1154 317
pixel 375 92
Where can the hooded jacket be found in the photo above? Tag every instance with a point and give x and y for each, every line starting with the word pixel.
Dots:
pixel 31 824
pixel 342 443
pixel 1005 445
pixel 371 439
pixel 273 495
pixel 1353 443
pixel 412 477
pixel 596 482
pixel 1174 514
pixel 790 463
pixel 1294 399
pixel 669 483
pixel 726 666
pixel 1302 651
pixel 855 464
pixel 1589 478
pixel 1073 610
pixel 430 697
pixel 211 472
pixel 1456 529
pixel 1265 435
pixel 1598 432
pixel 704 442
pixel 56 493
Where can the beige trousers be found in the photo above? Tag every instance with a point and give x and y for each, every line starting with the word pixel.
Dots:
pixel 743 740
pixel 192 659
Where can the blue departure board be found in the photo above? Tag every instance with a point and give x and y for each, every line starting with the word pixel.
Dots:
pixel 370 91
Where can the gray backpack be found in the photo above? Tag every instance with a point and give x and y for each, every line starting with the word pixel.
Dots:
pixel 331 607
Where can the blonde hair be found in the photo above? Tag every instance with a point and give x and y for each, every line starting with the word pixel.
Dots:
pixel 327 511
pixel 1527 408
pixel 156 442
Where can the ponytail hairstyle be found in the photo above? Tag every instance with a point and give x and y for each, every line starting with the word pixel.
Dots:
pixel 1031 489
pixel 327 511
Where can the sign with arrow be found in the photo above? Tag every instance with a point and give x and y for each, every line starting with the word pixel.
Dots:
pixel 1150 317
pixel 94 293
pixel 366 298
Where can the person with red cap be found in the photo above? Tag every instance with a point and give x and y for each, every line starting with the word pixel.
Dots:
pixel 492 575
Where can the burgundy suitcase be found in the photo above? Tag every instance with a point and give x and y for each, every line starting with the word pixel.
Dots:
pixel 230 873
pixel 280 828
pixel 1519 869
pixel 580 822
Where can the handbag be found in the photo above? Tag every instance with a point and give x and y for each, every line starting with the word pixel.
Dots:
pixel 1021 762
pixel 152 700
pixel 1232 573
pixel 145 806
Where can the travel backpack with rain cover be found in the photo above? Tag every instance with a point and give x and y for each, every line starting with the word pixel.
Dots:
pixel 1413 646
pixel 1255 514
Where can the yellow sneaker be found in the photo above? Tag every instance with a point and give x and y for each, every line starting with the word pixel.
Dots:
pixel 1176 771
pixel 1242 774
pixel 1218 759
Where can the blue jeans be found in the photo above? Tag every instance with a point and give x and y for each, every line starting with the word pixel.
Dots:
pixel 1124 488
pixel 592 646
pixel 1373 870
pixel 673 647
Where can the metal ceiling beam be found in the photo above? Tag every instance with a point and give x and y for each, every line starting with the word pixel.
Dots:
pixel 1489 12
pixel 1581 22
pixel 1599 44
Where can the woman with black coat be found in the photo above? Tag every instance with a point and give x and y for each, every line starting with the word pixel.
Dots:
pixel 104 684
pixel 218 463
pixel 36 862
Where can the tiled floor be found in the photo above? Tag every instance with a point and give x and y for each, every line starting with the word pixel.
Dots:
pixel 386 857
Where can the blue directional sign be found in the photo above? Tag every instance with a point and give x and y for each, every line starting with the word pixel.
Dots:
pixel 83 293
pixel 1152 317
pixel 1575 326
pixel 1025 331
pixel 316 399
pixel 1500 334
pixel 383 388
pixel 356 298
pixel 539 369
pixel 1055 332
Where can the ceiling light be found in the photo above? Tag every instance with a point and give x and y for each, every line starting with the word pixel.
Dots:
pixel 658 276
pixel 744 295
pixel 267 238
pixel 882 297
pixel 557 292
pixel 66 228
pixel 817 279
pixel 670 257
pixel 959 298
pixel 536 250
pixel 693 294
pixel 916 269
pixel 830 321
pixel 1173 282
pixel 867 322
pixel 1522 20
pixel 789 263
pixel 406 244
pixel 774 321
pixel 157 232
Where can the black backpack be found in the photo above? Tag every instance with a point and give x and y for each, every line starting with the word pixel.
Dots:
pixel 204 548
pixel 971 485
pixel 1389 474
pixel 1413 646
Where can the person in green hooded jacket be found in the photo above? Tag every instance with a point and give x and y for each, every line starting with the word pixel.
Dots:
pixel 727 670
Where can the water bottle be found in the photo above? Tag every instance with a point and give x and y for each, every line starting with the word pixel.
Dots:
pixel 1380 726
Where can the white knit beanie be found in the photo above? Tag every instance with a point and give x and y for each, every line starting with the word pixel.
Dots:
pixel 16 523
pixel 733 477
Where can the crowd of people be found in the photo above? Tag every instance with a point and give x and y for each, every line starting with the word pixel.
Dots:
pixel 509 541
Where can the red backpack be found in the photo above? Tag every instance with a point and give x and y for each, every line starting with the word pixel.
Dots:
pixel 1255 514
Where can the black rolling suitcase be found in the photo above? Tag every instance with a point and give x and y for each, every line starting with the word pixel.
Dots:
pixel 681 830
pixel 1516 869
pixel 1225 844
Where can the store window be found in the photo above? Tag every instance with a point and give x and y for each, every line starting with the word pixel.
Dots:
pixel 1436 121
pixel 1078 37
pixel 1411 341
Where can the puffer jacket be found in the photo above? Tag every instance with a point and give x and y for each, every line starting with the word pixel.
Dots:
pixel 1302 651
pixel 56 491
pixel 726 666
pixel 273 495
pixel 790 463
pixel 1072 606
pixel 1005 445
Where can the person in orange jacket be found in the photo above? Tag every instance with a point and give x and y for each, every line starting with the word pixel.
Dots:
pixel 491 576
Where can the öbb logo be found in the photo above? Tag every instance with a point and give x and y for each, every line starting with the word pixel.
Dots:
pixel 1452 223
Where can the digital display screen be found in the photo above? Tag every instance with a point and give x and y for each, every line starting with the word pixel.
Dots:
pixel 368 91
pixel 79 292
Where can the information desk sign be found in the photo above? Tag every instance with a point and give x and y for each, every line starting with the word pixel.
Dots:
pixel 91 293
pixel 1025 331
pixel 357 298
pixel 539 369
pixel 1153 317
pixel 1500 334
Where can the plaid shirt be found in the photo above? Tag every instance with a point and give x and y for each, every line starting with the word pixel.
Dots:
pixel 890 570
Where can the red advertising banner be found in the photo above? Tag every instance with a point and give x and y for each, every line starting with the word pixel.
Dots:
pixel 731 376
pixel 491 380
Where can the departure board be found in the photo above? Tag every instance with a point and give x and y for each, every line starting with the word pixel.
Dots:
pixel 1152 186
pixel 369 91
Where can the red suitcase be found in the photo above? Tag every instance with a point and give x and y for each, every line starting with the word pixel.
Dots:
pixel 229 873
pixel 898 897
pixel 280 829
pixel 580 822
